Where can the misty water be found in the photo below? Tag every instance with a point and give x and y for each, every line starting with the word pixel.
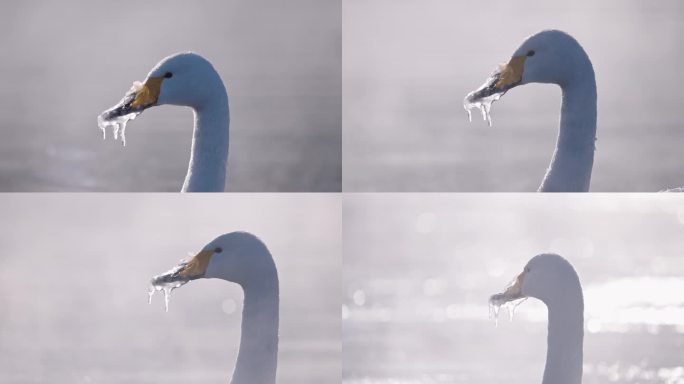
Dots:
pixel 419 273
pixel 62 68
pixel 408 65
pixel 75 269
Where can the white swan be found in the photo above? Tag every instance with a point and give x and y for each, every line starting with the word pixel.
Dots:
pixel 551 279
pixel 185 79
pixel 240 258
pixel 554 57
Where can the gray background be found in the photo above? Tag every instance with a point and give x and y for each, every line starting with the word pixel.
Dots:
pixel 63 63
pixel 418 270
pixel 74 273
pixel 407 65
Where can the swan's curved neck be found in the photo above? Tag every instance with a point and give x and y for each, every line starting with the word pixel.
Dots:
pixel 573 159
pixel 209 153
pixel 257 359
pixel 565 339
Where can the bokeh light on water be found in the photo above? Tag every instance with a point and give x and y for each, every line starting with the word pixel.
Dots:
pixel 425 318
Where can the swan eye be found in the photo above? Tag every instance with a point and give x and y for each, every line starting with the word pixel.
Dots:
pixel 168 75
pixel 218 250
pixel 530 53
pixel 527 269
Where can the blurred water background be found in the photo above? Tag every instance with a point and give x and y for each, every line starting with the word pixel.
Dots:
pixel 407 65
pixel 74 273
pixel 63 63
pixel 419 269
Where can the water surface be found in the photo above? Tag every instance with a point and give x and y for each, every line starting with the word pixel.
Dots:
pixel 407 66
pixel 419 270
pixel 75 270
pixel 64 63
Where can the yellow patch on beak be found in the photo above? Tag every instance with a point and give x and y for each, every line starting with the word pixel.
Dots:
pixel 515 289
pixel 512 72
pixel 197 266
pixel 148 94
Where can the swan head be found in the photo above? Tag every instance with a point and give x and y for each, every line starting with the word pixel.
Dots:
pixel 237 257
pixel 184 79
pixel 549 56
pixel 241 258
pixel 547 277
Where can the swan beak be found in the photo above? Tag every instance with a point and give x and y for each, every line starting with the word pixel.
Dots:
pixel 197 266
pixel 136 100
pixel 514 291
pixel 504 78
pixel 511 74
pixel 147 94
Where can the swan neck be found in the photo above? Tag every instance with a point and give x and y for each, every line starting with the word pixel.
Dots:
pixel 573 158
pixel 565 339
pixel 209 152
pixel 258 355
